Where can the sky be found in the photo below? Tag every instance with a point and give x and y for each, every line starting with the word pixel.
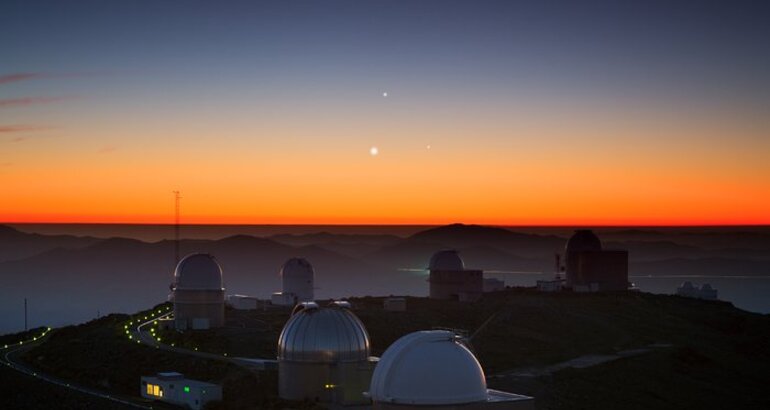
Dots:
pixel 494 112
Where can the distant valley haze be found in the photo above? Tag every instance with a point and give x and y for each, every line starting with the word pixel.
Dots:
pixel 69 273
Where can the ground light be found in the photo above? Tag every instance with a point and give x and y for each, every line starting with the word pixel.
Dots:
pixel 34 339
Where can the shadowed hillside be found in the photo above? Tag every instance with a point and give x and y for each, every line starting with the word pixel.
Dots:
pixel 709 354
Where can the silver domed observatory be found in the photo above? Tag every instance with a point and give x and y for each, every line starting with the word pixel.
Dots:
pixel 198 293
pixel 297 277
pixel 323 354
pixel 433 369
pixel 450 280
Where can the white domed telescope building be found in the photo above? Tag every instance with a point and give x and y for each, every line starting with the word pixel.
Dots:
pixel 198 293
pixel 298 277
pixel 323 355
pixel 434 370
pixel 450 280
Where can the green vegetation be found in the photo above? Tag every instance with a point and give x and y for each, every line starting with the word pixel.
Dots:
pixel 709 354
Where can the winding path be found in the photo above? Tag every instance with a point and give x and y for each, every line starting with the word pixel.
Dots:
pixel 9 358
pixel 141 335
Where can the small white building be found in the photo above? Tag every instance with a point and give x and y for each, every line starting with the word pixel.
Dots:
pixel 555 285
pixel 282 299
pixel 243 302
pixel 174 388
pixel 692 291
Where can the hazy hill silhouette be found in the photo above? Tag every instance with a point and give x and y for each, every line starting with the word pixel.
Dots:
pixel 72 277
pixel 705 238
pixel 355 245
pixel 523 244
pixel 120 274
pixel 15 244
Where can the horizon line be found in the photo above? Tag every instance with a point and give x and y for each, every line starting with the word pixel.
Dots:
pixel 386 224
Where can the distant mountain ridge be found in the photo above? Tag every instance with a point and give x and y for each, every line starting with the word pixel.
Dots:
pixel 15 244
pixel 122 274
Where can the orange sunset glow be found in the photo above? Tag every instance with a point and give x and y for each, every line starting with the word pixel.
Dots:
pixel 470 137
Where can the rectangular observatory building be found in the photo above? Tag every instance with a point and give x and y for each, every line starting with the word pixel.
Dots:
pixel 606 270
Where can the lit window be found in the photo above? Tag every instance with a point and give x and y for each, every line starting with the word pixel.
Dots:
pixel 156 391
pixel 149 389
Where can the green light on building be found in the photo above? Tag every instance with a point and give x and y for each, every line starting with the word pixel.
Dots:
pixel 186 389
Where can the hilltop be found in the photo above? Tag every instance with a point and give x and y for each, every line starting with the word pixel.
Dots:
pixel 710 353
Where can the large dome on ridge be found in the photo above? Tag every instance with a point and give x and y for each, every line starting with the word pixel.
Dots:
pixel 583 240
pixel 198 271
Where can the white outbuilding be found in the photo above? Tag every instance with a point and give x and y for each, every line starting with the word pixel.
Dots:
pixel 174 388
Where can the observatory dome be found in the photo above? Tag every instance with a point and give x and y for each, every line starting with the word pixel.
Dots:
pixel 448 259
pixel 323 335
pixel 428 368
pixel 583 240
pixel 297 267
pixel 198 271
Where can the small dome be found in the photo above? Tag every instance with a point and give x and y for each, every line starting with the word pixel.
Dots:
pixel 428 368
pixel 448 259
pixel 325 335
pixel 583 240
pixel 297 267
pixel 706 286
pixel 198 271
